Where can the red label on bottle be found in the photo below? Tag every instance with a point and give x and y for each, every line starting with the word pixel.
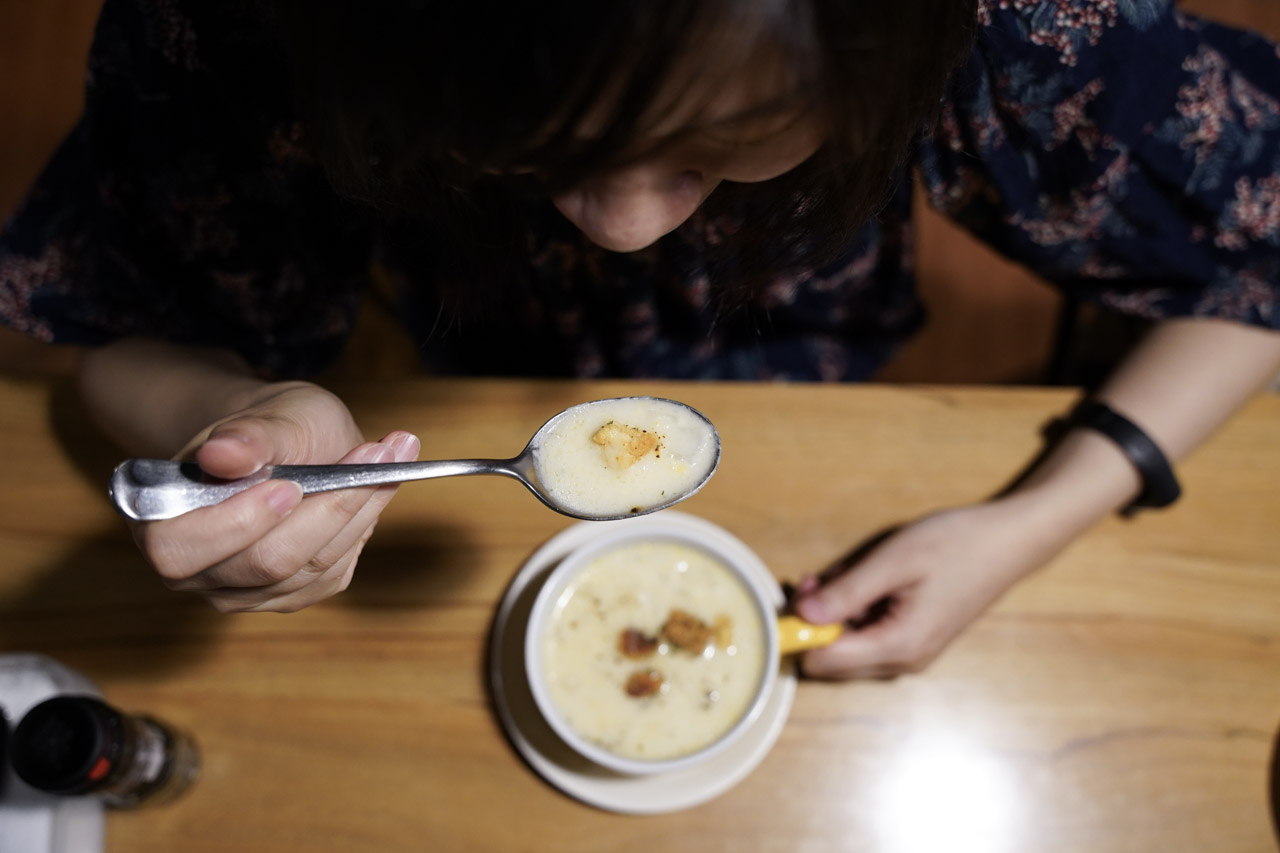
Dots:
pixel 100 769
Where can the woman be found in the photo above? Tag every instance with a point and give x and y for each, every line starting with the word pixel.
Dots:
pixel 699 190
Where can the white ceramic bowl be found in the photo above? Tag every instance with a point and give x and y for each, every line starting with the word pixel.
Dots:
pixel 723 547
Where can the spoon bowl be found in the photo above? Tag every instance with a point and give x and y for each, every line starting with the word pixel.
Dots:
pixel 158 489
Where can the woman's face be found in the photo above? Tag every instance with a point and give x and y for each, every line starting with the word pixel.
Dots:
pixel 745 137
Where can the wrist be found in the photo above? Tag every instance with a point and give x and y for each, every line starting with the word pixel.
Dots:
pixel 1083 477
pixel 151 397
pixel 1160 486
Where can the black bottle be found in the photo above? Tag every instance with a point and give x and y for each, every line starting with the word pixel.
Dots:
pixel 81 745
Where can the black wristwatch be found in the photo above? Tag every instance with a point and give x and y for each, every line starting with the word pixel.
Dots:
pixel 1159 485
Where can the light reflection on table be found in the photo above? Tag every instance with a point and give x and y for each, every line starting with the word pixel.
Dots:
pixel 943 790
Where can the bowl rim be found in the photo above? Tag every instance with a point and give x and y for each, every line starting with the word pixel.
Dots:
pixel 734 555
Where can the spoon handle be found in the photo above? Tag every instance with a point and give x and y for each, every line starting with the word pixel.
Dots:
pixel 325 478
pixel 156 489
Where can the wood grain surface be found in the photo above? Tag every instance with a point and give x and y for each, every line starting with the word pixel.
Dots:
pixel 1124 699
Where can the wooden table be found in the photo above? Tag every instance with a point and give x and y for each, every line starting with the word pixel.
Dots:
pixel 1126 698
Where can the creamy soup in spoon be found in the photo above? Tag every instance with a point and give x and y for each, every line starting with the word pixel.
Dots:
pixel 654 650
pixel 624 456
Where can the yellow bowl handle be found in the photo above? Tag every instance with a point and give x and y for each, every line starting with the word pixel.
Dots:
pixel 796 635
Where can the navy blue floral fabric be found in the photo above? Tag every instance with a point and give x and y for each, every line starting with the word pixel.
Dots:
pixel 1123 150
pixel 1120 147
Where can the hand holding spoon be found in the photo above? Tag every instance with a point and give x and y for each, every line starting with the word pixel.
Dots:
pixel 565 465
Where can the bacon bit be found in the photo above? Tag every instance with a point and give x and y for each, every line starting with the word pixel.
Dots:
pixel 687 631
pixel 636 644
pixel 645 682
pixel 624 445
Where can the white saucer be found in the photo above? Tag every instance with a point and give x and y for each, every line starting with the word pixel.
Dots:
pixel 570 772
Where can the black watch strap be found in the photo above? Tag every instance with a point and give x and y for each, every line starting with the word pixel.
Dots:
pixel 1159 485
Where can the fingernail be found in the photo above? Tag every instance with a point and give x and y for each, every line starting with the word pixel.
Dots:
pixel 284 497
pixel 227 438
pixel 813 609
pixel 377 453
pixel 405 446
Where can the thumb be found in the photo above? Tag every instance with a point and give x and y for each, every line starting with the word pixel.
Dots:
pixel 845 598
pixel 241 446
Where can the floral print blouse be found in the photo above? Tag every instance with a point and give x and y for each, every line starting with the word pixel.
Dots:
pixel 1125 151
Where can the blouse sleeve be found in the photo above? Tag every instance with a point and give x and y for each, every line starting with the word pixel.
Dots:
pixel 1123 150
pixel 184 206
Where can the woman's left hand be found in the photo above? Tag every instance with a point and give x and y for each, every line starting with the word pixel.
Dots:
pixel 915 591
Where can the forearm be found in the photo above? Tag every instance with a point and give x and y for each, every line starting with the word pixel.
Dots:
pixel 152 397
pixel 1179 385
pixel 1189 377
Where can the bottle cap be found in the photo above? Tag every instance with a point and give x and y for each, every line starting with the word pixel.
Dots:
pixel 4 749
pixel 67 744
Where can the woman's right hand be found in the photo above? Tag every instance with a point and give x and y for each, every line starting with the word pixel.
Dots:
pixel 265 548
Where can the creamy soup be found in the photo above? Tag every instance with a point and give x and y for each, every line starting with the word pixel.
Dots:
pixel 616 457
pixel 654 650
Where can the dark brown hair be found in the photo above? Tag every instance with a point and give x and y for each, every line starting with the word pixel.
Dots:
pixel 426 108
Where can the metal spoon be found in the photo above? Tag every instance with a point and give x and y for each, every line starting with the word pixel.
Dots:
pixel 156 489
